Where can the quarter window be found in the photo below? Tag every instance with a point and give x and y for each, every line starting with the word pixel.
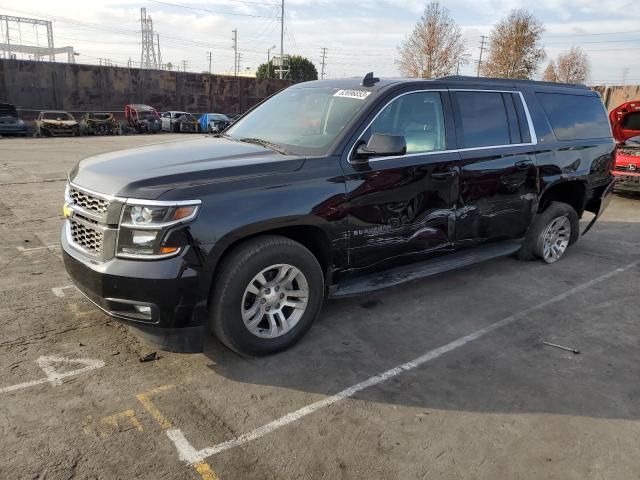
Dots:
pixel 416 116
pixel 575 117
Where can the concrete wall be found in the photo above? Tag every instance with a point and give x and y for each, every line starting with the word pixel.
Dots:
pixel 614 96
pixel 60 86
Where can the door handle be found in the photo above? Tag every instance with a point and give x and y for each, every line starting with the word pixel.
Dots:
pixel 524 164
pixel 447 174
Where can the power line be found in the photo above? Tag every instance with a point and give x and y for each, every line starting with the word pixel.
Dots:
pixel 218 12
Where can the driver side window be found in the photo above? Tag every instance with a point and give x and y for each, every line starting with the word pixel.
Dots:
pixel 418 117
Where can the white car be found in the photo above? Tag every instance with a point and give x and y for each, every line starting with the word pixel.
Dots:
pixel 175 121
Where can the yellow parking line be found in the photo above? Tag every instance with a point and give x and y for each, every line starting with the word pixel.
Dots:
pixel 203 469
pixel 146 402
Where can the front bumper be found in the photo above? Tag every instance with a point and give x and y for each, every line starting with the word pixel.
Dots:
pixel 627 181
pixel 12 129
pixel 168 287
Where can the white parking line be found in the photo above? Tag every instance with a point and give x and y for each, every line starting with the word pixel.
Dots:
pixel 189 454
pixel 53 376
pixel 35 249
pixel 59 291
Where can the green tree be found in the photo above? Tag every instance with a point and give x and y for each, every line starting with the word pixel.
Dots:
pixel 301 69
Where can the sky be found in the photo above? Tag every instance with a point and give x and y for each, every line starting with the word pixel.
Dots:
pixel 359 35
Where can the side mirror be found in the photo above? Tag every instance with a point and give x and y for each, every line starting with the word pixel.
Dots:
pixel 382 145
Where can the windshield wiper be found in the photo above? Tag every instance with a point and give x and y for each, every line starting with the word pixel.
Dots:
pixel 263 143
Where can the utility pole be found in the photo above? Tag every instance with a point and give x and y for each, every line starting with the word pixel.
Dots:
pixel 185 63
pixel 209 56
pixel 159 56
pixel 282 41
pixel 239 60
pixel 269 60
pixel 235 52
pixel 323 63
pixel 482 37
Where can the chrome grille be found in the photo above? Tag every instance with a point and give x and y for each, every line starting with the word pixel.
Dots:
pixel 88 238
pixel 88 202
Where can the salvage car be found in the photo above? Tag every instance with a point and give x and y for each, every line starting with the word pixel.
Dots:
pixel 142 118
pixel 99 124
pixel 627 169
pixel 179 122
pixel 625 123
pixel 10 124
pixel 332 188
pixel 56 124
pixel 213 122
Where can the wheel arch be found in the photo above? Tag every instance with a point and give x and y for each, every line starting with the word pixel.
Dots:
pixel 308 232
pixel 571 192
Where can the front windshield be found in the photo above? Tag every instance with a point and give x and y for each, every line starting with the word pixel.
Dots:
pixel 304 121
pixel 147 114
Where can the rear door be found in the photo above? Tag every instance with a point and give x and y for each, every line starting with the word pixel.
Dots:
pixel 498 175
pixel 404 206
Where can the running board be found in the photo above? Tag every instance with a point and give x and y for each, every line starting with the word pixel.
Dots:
pixel 427 268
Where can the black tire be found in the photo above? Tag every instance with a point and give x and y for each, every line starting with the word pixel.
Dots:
pixel 533 245
pixel 237 270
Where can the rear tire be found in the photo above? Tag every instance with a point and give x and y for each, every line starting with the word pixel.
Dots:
pixel 246 314
pixel 550 235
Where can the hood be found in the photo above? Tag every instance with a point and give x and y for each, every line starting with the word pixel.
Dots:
pixel 66 123
pixel 152 170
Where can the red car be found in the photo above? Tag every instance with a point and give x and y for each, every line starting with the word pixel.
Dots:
pixel 625 122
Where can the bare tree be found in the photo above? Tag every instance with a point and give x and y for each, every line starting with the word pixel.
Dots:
pixel 550 74
pixel 435 48
pixel 573 66
pixel 514 50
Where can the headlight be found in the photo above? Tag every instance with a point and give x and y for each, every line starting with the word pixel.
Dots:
pixel 143 227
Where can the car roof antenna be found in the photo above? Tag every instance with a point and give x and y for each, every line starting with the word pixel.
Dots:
pixel 369 80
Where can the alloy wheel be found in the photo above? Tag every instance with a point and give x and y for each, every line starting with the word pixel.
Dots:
pixel 274 301
pixel 556 239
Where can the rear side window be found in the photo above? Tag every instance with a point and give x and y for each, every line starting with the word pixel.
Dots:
pixel 575 117
pixel 488 119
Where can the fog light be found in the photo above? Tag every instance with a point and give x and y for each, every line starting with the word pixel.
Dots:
pixel 143 310
pixel 143 237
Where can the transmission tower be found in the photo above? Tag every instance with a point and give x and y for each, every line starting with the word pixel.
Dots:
pixel 8 49
pixel 148 57
pixel 324 62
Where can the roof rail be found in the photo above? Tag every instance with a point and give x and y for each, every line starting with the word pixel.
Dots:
pixel 513 81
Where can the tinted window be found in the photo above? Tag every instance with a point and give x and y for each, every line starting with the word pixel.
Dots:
pixel 575 117
pixel 418 117
pixel 483 117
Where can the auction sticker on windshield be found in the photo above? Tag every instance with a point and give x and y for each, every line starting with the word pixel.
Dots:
pixel 359 94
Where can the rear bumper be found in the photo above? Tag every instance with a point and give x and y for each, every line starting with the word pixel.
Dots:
pixel 599 203
pixel 166 287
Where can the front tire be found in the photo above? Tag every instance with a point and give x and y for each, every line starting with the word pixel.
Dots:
pixel 552 232
pixel 267 293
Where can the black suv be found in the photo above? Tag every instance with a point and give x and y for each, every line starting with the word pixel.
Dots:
pixel 332 188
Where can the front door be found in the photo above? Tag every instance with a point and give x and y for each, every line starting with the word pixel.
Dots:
pixel 498 173
pixel 404 206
